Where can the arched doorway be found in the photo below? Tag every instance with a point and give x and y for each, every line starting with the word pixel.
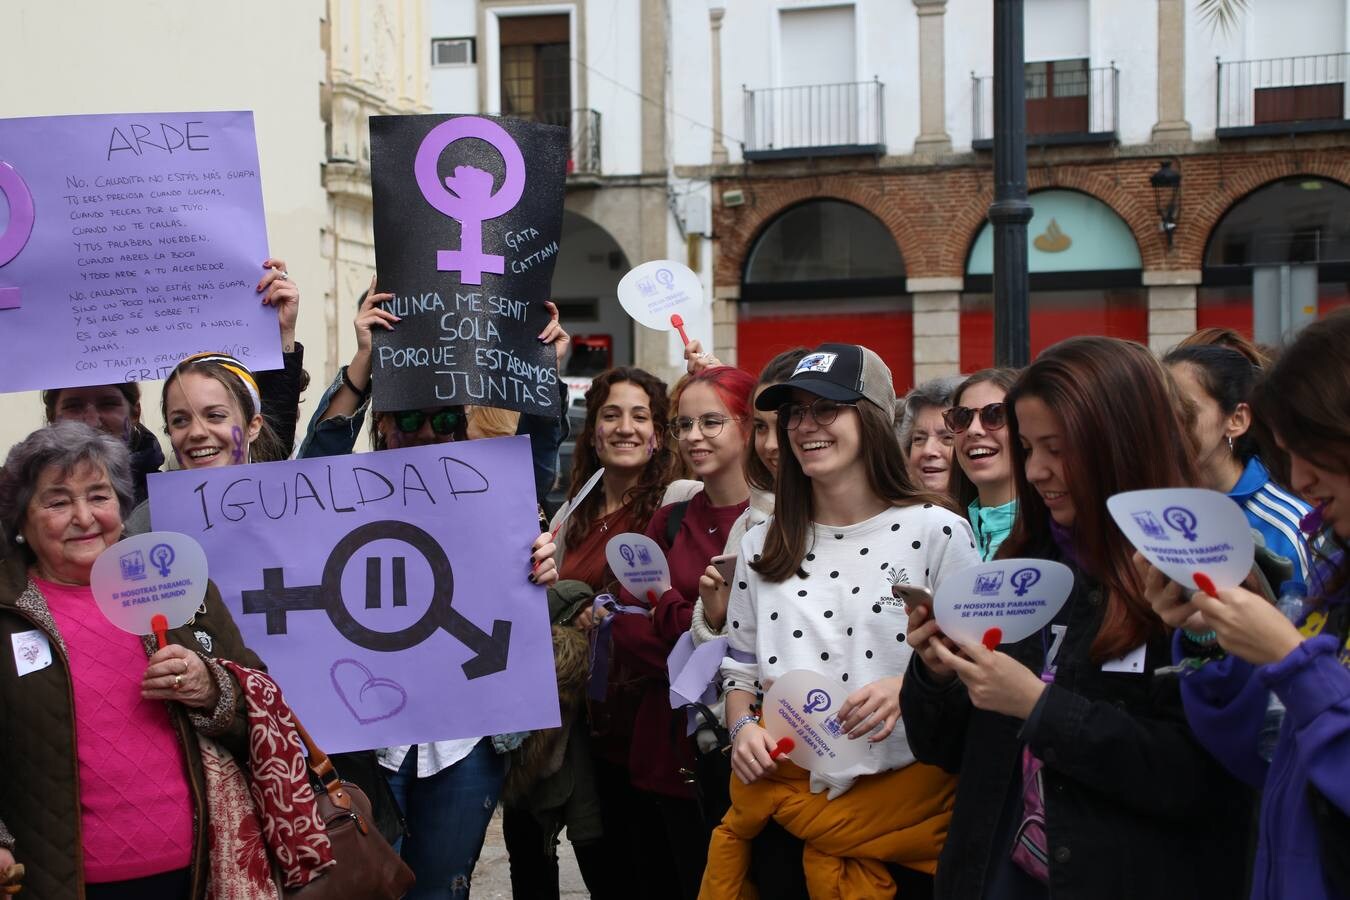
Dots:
pixel 826 270
pixel 585 288
pixel 1085 278
pixel 1278 259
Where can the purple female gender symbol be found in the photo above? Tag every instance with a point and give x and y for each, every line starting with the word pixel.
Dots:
pixel 469 196
pixel 20 226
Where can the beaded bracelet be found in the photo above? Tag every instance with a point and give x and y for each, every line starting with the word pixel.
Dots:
pixel 741 723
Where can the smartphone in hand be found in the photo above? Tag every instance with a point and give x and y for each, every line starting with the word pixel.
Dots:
pixel 913 596
pixel 725 566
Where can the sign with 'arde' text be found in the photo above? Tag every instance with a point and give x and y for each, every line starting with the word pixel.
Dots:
pixel 468 213
pixel 386 592
pixel 128 242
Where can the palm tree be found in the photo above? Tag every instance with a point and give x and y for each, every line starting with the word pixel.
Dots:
pixel 1222 15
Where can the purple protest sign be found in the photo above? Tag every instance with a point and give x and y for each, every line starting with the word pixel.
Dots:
pixel 128 242
pixel 386 592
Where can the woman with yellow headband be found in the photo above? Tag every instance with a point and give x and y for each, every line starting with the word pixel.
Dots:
pixel 213 415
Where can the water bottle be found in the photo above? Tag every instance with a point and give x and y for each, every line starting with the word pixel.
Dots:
pixel 1293 596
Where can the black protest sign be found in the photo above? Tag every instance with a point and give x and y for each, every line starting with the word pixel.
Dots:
pixel 468 212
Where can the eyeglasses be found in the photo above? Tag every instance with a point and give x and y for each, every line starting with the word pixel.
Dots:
pixel 993 417
pixel 709 424
pixel 823 411
pixel 443 422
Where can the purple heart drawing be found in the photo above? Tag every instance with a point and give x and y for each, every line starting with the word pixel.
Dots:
pixel 368 698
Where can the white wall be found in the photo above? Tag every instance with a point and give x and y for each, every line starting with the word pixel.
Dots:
pixel 1054 29
pixel 1266 29
pixel 454 88
pixel 756 54
pixel 614 80
pixel 90 56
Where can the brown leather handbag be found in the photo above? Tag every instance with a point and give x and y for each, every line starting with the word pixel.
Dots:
pixel 367 867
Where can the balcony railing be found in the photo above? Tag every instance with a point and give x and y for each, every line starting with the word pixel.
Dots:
pixel 1064 106
pixel 1280 96
pixel 583 126
pixel 815 120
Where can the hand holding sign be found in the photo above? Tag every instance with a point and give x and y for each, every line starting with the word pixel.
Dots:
pixel 658 293
pixel 1193 536
pixel 637 561
pixel 1004 601
pixel 802 708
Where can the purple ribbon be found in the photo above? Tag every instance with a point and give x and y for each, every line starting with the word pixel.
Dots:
pixel 599 682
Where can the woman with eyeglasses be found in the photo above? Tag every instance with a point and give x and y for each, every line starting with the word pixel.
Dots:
pixel 712 429
pixel 813 590
pixel 982 479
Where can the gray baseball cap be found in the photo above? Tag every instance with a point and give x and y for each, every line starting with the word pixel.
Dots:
pixel 843 372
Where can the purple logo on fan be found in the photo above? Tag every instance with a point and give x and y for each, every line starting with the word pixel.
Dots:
pixel 987 584
pixel 1183 520
pixel 816 701
pixel 1150 526
pixel 1023 579
pixel 467 194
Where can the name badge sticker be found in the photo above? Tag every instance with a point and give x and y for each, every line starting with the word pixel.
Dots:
pixel 32 651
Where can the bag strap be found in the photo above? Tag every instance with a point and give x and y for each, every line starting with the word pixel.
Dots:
pixel 322 767
pixel 677 511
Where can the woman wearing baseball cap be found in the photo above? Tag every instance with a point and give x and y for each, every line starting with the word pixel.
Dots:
pixel 812 590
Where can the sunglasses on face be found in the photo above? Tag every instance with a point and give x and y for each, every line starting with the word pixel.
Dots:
pixel 443 422
pixel 993 417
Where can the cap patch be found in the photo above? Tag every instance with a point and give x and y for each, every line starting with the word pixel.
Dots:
pixel 815 362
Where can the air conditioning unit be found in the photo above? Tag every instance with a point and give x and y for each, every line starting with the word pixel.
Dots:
pixel 452 51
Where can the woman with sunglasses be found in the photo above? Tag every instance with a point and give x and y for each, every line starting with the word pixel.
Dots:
pixel 982 480
pixel 712 429
pixel 813 590
pixel 447 790
pixel 1079 774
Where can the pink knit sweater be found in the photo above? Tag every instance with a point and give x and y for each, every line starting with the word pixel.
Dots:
pixel 135 802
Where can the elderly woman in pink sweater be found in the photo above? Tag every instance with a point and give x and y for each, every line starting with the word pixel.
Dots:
pixel 103 793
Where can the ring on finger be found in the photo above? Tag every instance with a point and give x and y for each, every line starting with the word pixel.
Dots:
pixel 177 682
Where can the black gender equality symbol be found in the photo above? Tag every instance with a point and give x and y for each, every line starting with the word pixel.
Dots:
pixel 276 599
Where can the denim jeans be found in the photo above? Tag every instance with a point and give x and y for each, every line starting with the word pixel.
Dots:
pixel 447 815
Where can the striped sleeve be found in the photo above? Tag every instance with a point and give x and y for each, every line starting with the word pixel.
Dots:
pixel 1277 513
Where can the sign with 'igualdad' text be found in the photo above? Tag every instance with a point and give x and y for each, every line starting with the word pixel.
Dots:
pixel 128 242
pixel 387 591
pixel 468 213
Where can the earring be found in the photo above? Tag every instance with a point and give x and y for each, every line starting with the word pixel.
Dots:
pixel 18 539
pixel 1230 444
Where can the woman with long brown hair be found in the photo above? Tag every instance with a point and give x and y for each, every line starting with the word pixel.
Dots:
pixel 1079 774
pixel 812 590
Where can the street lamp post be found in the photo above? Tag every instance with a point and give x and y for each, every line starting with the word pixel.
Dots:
pixel 1010 210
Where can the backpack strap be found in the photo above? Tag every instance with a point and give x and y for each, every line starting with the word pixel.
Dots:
pixel 677 511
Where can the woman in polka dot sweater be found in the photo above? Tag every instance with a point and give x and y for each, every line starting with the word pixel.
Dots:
pixel 812 588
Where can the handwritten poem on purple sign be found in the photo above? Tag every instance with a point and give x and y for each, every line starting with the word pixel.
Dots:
pixel 386 591
pixel 128 242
